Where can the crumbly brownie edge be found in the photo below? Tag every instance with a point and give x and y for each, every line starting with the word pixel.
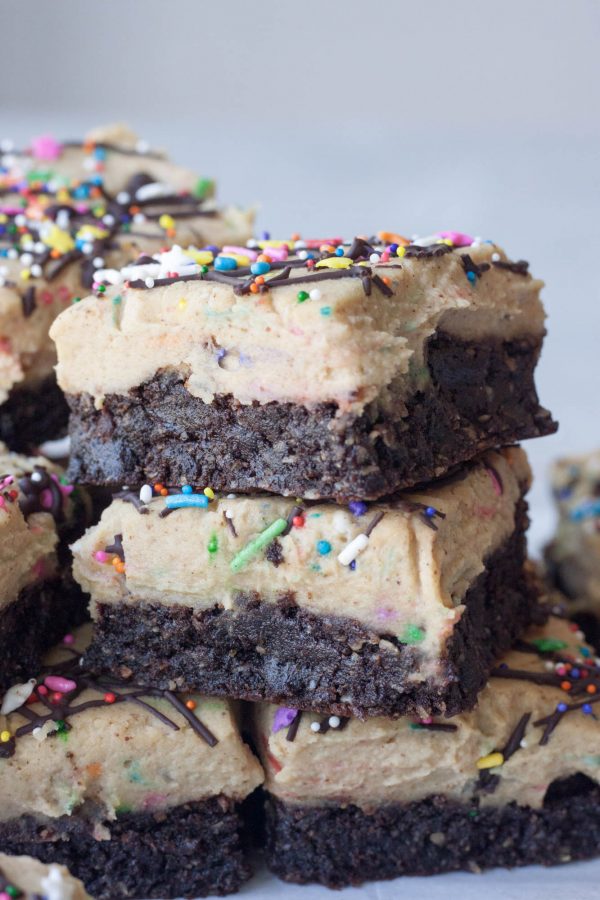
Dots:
pixel 338 846
pixel 39 617
pixel 32 415
pixel 192 850
pixel 284 654
pixel 481 395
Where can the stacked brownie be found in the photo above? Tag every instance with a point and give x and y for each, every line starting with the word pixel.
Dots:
pixel 319 509
pixel 67 210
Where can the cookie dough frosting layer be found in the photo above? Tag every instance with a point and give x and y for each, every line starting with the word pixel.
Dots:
pixel 574 554
pixel 104 743
pixel 26 878
pixel 398 571
pixel 67 210
pixel 301 367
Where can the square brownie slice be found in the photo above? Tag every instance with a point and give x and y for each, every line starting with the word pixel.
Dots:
pixel 305 369
pixel 372 609
pixel 514 782
pixel 137 790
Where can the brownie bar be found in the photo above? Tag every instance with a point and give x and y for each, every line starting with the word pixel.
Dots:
pixel 347 846
pixel 191 851
pixel 282 653
pixel 32 415
pixel 39 617
pixel 481 395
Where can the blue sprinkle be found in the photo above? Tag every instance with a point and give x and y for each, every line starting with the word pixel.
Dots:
pixel 181 501
pixel 187 489
pixel 266 236
pixel 588 510
pixel 562 707
pixel 323 547
pixel 585 652
pixel 357 507
pixel 352 565
pixel 260 268
pixel 575 673
pixel 392 248
pixel 100 152
pixel 471 277
pixel 587 709
pixel 325 310
pixel 430 511
pixel 225 264
pixel 339 251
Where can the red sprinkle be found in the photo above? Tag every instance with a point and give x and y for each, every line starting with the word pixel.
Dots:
pixel 298 521
pixel 110 697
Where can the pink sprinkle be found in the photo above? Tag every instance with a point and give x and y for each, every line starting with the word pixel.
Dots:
pixel 46 297
pixel 6 482
pixel 426 721
pixel 457 238
pixel 2 502
pixel 46 499
pixel 241 251
pixel 315 243
pixel 100 556
pixel 46 147
pixel 68 639
pixel 60 684
pixel 42 691
pixel 277 253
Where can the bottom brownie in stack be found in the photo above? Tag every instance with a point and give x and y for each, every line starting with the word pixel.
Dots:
pixel 136 790
pixel 512 783
pixel 24 878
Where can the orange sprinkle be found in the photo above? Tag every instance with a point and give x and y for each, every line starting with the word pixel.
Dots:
pixel 55 254
pixel 260 279
pixel 566 685
pixel 88 146
pixel 591 688
pixel 158 487
pixel 385 279
pixel 94 770
pixel 119 567
pixel 164 492
pixel 190 704
pixel 296 236
pixel 254 289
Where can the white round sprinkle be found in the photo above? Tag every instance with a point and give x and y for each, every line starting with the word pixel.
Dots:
pixel 36 476
pixel 549 666
pixel 36 270
pixel 20 220
pixel 26 259
pixel 12 253
pixel 315 726
pixel 142 146
pixel 495 257
pixel 98 262
pixel 149 282
pixel 251 244
pixel 334 721
pixel 228 514
pixel 146 493
pixel 374 257
pixel 315 294
pixel 87 248
pixel 524 744
pixel 139 218
pixel 108 219
pixel 123 197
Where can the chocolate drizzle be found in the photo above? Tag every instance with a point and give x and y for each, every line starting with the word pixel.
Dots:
pixel 36 488
pixel 28 301
pixel 58 709
pixel 517 268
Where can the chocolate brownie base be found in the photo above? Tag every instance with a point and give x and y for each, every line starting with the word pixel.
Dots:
pixel 190 851
pixel 284 654
pixel 481 395
pixel 40 616
pixel 31 416
pixel 344 845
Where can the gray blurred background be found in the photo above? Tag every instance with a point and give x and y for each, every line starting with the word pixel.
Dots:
pixel 353 117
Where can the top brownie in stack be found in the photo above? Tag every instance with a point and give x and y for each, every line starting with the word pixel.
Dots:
pixel 67 210
pixel 309 368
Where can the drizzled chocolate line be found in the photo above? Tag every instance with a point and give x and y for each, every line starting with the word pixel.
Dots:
pixel 116 547
pixel 113 148
pixel 517 268
pixel 470 266
pixel 133 498
pixel 514 742
pixel 34 486
pixel 431 252
pixel 64 709
pixel 373 523
pixel 28 303
pixel 293 728
pixel 412 506
pixel 434 726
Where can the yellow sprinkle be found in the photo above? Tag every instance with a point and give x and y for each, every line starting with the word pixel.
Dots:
pixel 263 244
pixel 88 232
pixel 447 241
pixel 401 251
pixel 59 240
pixel 335 262
pixel 3 218
pixel 209 493
pixel 182 303
pixel 5 736
pixel 490 761
pixel 25 274
pixel 200 257
pixel 166 221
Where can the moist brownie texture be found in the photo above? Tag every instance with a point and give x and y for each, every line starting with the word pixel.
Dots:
pixel 141 786
pixel 38 600
pixel 573 556
pixel 67 210
pixel 340 373
pixel 513 782
pixel 26 878
pixel 374 609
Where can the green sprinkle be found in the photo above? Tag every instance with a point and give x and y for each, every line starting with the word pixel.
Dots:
pixel 39 175
pixel 76 300
pixel 13 891
pixel 213 544
pixel 61 730
pixel 473 813
pixel 302 296
pixel 204 187
pixel 549 645
pixel 325 310
pixel 412 635
pixel 255 546
pixel 204 269
pixel 415 726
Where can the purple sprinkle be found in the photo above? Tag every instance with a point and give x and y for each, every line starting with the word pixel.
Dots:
pixel 562 707
pixel 353 565
pixel 357 508
pixel 221 352
pixel 266 236
pixel 575 673
pixel 283 718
